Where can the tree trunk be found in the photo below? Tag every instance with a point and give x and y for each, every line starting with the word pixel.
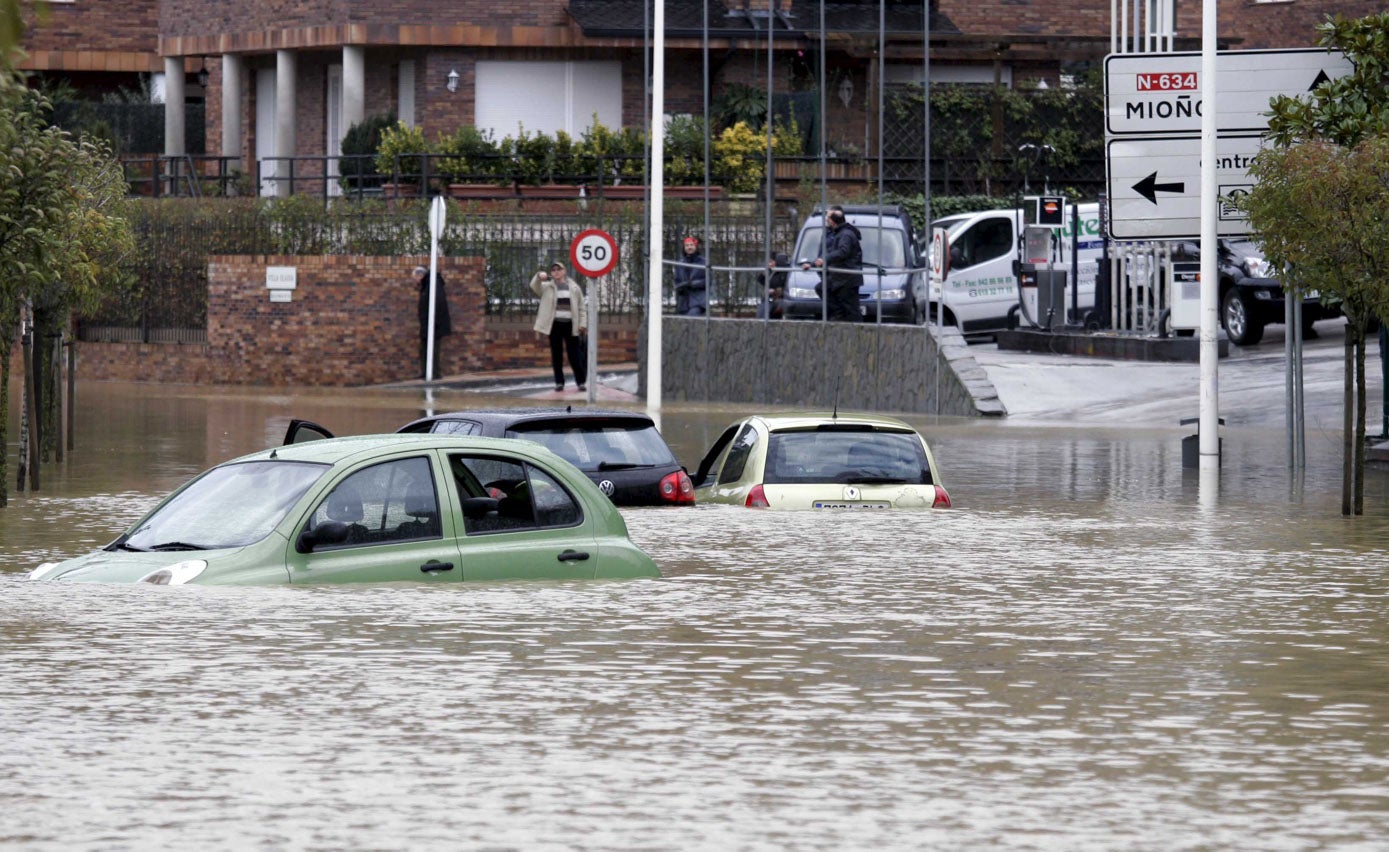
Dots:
pixel 1359 486
pixel 6 347
pixel 1347 425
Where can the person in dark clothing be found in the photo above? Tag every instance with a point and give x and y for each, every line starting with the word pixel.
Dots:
pixel 773 281
pixel 691 282
pixel 843 262
pixel 443 326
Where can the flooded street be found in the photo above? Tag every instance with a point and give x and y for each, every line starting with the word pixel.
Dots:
pixel 1085 653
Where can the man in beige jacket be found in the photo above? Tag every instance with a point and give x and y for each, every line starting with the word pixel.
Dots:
pixel 561 317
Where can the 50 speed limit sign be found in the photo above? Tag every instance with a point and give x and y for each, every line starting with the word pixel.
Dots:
pixel 593 253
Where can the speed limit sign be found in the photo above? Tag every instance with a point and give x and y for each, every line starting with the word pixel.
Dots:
pixel 593 253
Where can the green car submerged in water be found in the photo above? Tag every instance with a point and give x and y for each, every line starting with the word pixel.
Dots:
pixel 374 508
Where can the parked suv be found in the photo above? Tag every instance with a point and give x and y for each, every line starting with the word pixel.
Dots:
pixel 1249 300
pixel 894 283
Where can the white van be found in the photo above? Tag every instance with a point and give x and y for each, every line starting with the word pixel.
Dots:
pixel 980 291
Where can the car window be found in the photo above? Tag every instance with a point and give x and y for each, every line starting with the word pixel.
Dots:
pixel 862 456
pixel 888 251
pixel 738 454
pixel 984 240
pixel 882 246
pixel 388 502
pixel 229 506
pixel 456 427
pixel 505 495
pixel 600 446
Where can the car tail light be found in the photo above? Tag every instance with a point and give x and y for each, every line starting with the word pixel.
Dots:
pixel 677 488
pixel 757 498
pixel 942 499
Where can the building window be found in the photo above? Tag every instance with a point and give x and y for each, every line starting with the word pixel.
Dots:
pixel 547 96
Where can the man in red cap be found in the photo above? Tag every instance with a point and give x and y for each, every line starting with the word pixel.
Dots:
pixel 691 281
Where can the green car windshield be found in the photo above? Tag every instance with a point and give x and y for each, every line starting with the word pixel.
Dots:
pixel 804 457
pixel 229 506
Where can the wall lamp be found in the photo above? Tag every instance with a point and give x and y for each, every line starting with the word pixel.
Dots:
pixel 203 74
pixel 452 84
pixel 846 90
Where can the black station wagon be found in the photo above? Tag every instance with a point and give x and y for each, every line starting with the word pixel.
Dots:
pixel 621 451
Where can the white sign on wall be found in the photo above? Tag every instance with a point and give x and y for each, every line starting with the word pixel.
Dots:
pixel 281 277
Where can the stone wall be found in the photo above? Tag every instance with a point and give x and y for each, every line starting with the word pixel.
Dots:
pixel 861 367
pixel 352 321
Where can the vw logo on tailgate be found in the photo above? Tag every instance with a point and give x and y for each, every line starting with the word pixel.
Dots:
pixel 606 486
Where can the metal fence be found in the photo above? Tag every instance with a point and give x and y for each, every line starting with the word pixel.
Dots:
pixel 175 238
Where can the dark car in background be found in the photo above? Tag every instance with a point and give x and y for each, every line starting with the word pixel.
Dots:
pixel 1249 300
pixel 889 251
pixel 621 451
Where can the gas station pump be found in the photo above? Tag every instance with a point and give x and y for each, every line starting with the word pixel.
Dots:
pixel 1041 280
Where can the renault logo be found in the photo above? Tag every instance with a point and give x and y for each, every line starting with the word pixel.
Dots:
pixel 606 486
pixel 851 493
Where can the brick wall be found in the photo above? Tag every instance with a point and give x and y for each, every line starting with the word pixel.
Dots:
pixel 352 321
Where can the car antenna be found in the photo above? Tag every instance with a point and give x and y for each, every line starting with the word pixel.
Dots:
pixel 273 452
pixel 835 414
pixel 569 409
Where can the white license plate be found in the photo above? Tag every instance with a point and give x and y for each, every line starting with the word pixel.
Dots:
pixel 822 504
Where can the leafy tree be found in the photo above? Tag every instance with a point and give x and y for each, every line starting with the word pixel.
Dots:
pixel 62 232
pixel 12 26
pixel 1321 202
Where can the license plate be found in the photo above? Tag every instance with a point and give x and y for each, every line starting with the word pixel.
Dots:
pixel 845 504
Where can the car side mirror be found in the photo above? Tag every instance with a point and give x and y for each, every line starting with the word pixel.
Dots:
pixel 328 532
pixel 479 507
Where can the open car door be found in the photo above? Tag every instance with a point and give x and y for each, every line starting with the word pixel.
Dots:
pixel 300 431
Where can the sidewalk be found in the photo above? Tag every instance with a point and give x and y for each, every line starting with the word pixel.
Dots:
pixel 615 383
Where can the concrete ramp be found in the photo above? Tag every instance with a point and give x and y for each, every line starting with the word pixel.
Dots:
pixel 856 366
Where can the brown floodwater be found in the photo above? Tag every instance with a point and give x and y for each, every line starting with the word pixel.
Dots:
pixel 1087 652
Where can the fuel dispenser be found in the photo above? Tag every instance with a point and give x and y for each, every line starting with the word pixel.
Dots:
pixel 1041 278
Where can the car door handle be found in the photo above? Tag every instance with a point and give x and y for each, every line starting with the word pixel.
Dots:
pixel 436 566
pixel 573 556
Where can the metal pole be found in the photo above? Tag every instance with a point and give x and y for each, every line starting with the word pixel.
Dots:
pixel 824 187
pixel 1210 273
pixel 591 306
pixel 764 298
pixel 708 245
pixel 654 241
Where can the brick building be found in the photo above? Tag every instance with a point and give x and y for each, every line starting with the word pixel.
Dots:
pixel 287 78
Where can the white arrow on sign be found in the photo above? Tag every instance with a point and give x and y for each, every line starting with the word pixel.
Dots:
pixel 1160 93
pixel 1155 185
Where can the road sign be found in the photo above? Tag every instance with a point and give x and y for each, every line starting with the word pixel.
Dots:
pixel 1155 185
pixel 940 253
pixel 593 253
pixel 437 210
pixel 1160 93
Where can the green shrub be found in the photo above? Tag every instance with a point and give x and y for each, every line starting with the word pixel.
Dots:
pixel 361 142
pixel 535 157
pixel 471 155
pixel 400 151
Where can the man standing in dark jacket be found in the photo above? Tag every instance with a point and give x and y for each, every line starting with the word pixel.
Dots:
pixel 691 282
pixel 844 258
pixel 442 325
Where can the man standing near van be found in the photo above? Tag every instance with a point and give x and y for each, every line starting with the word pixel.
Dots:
pixel 844 258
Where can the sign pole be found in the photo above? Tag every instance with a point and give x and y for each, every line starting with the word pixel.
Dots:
pixel 591 305
pixel 593 253
pixel 654 241
pixel 1209 430
pixel 436 227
